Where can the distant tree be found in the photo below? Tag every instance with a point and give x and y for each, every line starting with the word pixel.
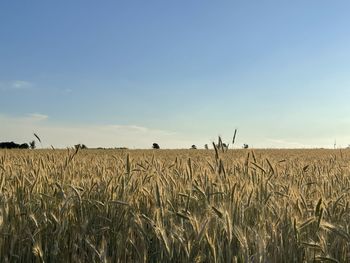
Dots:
pixel 24 146
pixel 13 145
pixel 155 146
pixel 32 145
pixel 206 146
pixel 245 146
pixel 194 147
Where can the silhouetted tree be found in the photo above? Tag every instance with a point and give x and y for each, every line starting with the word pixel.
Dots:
pixel 245 146
pixel 13 145
pixel 155 146
pixel 206 146
pixel 194 147
pixel 24 146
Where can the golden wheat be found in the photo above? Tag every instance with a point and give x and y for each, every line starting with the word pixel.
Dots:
pixel 174 206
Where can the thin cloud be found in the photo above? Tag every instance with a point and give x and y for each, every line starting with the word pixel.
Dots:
pixel 67 90
pixel 20 84
pixel 138 129
pixel 129 128
pixel 37 117
pixel 63 134
pixel 16 85
pixel 285 143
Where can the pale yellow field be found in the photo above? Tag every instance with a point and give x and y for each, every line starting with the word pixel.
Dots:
pixel 174 205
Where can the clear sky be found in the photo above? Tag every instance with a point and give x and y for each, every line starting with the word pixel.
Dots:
pixel 130 73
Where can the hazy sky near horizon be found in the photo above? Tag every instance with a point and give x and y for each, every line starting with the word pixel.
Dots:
pixel 130 73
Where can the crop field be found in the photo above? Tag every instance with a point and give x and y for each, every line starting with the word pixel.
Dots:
pixel 174 206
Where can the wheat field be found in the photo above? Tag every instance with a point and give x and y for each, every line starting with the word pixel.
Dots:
pixel 174 206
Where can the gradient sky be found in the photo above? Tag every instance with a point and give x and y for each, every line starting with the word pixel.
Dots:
pixel 130 73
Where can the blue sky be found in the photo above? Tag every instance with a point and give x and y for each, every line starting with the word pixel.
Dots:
pixel 130 73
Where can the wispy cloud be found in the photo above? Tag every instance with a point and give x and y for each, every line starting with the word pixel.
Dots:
pixel 62 134
pixel 138 129
pixel 285 143
pixel 67 90
pixel 37 117
pixel 315 142
pixel 16 85
pixel 21 129
pixel 20 84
